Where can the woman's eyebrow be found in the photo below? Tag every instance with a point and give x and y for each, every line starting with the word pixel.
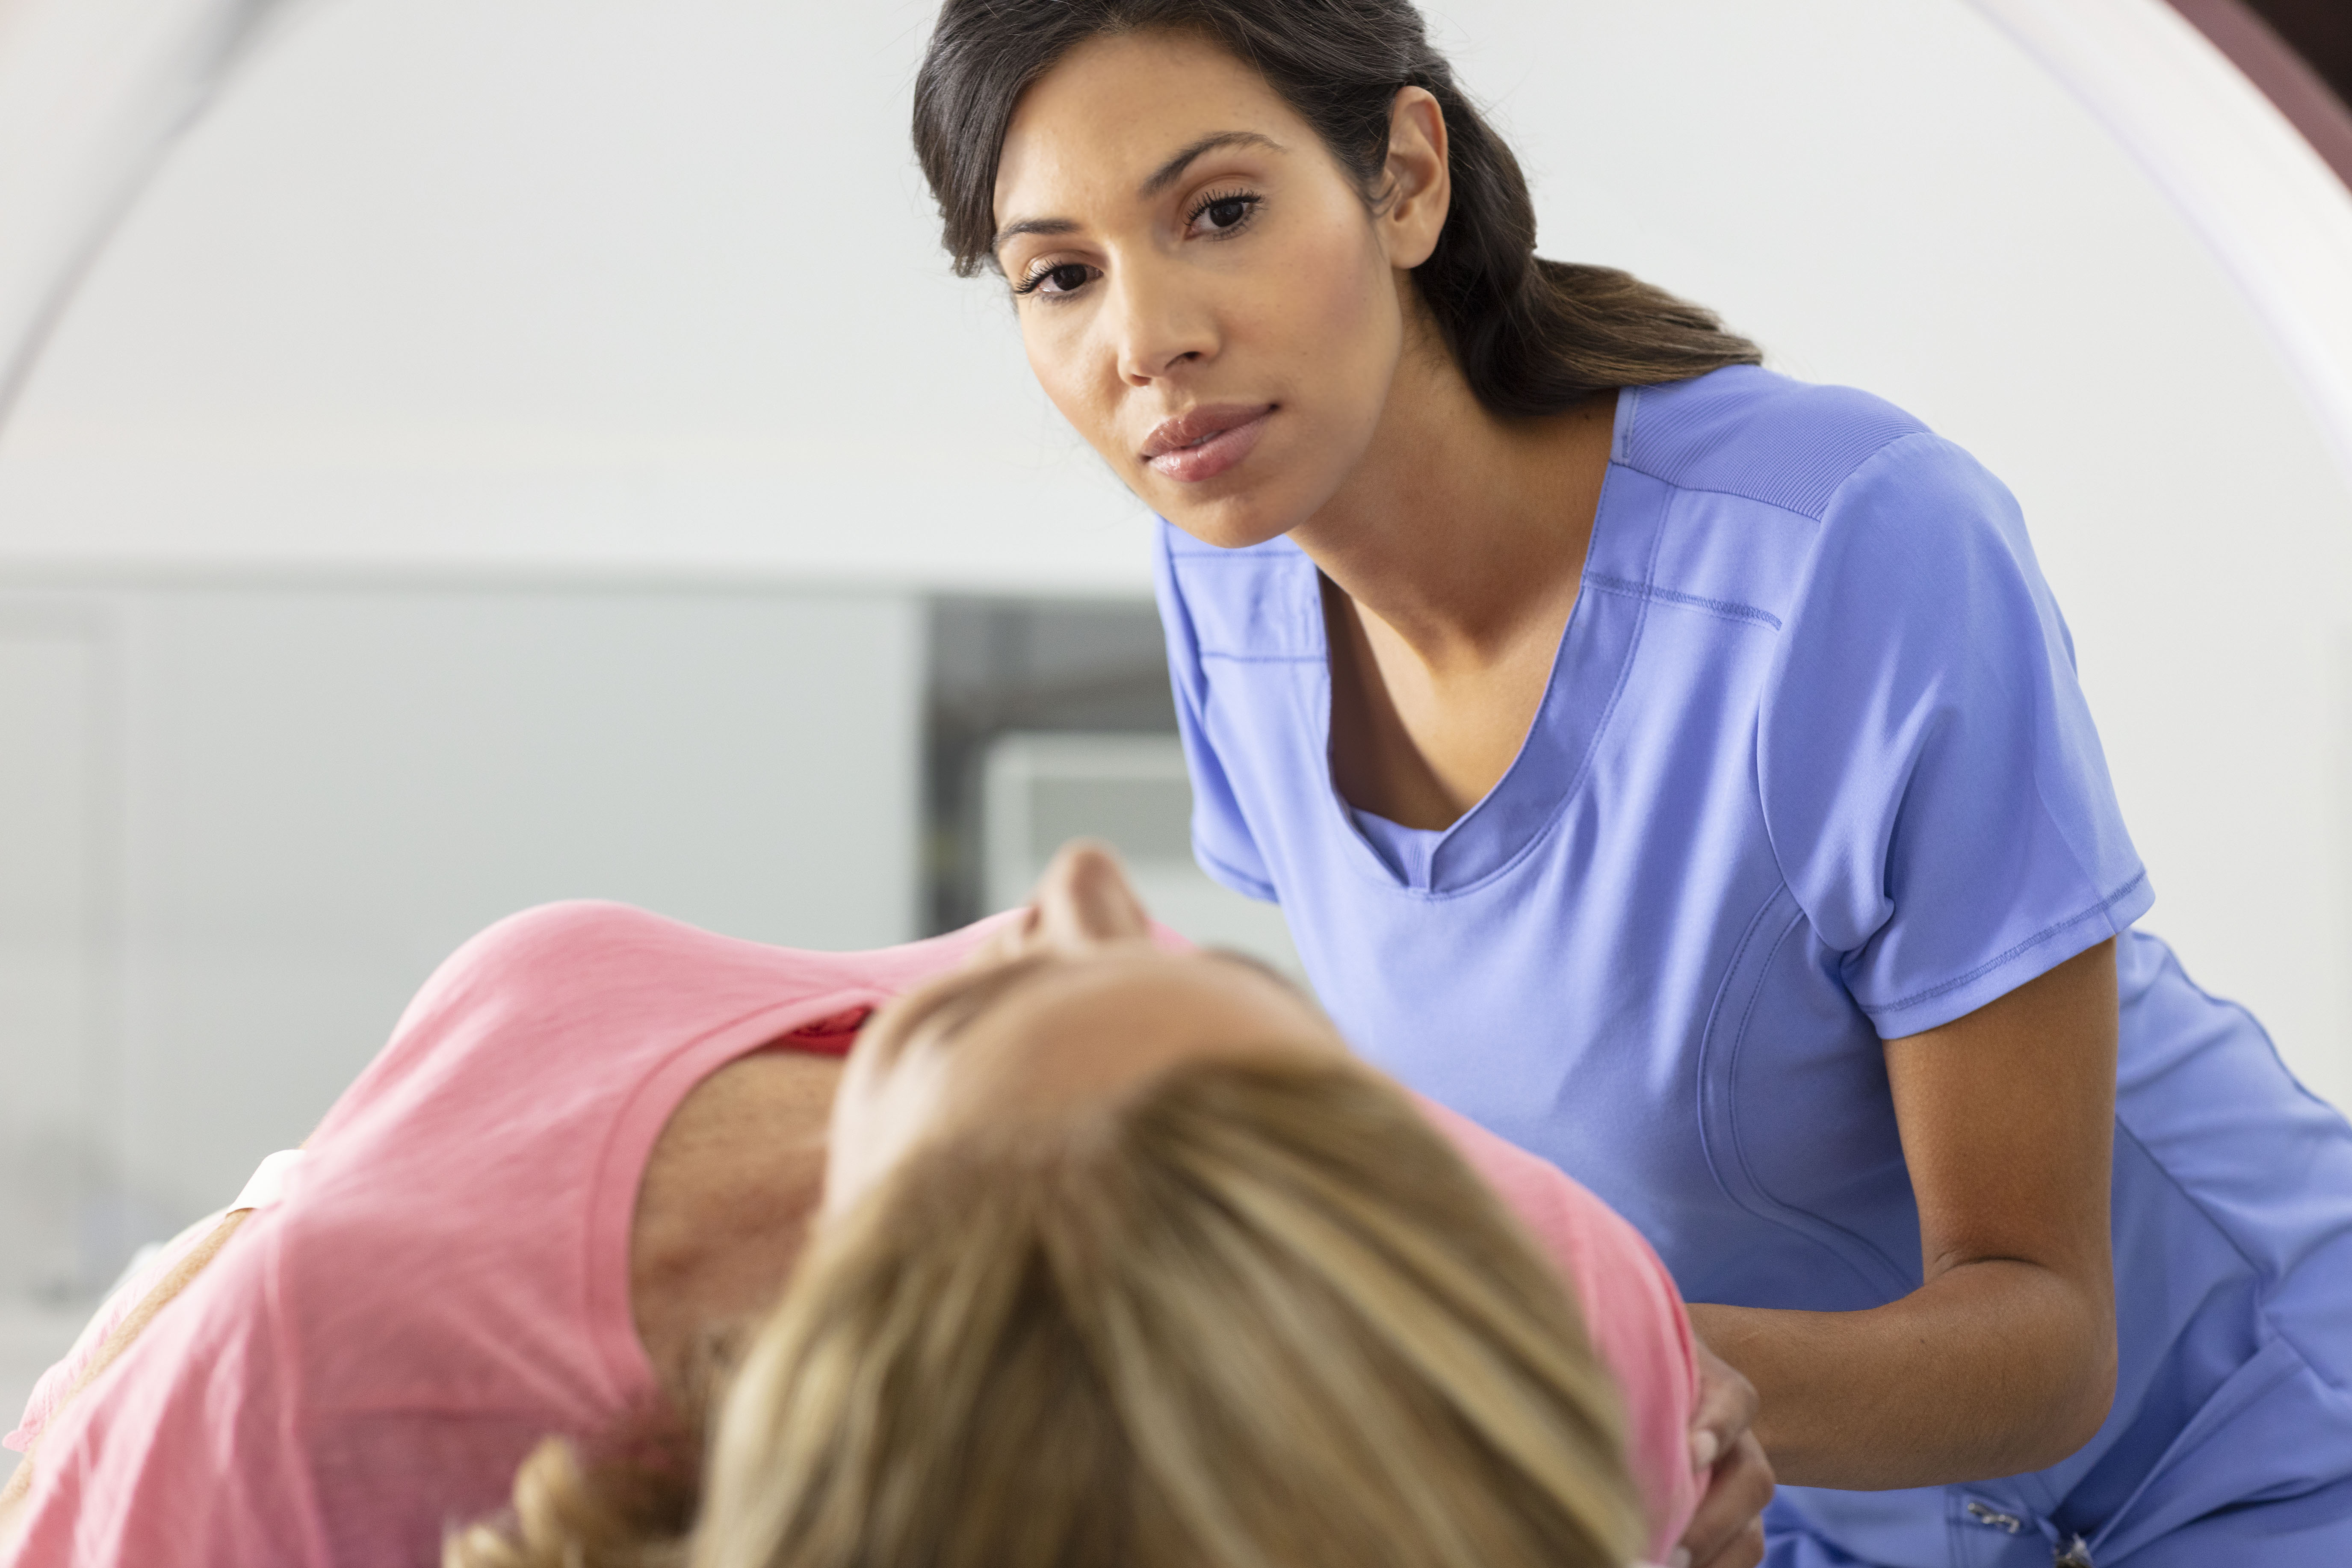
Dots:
pixel 1031 225
pixel 1168 173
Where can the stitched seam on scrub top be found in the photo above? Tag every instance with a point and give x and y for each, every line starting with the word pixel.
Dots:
pixel 1208 654
pixel 1865 461
pixel 1736 495
pixel 1781 1208
pixel 1621 439
pixel 1708 1047
pixel 1728 609
pixel 2036 940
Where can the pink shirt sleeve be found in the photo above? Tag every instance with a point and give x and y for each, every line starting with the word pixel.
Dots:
pixel 62 1378
pixel 1631 1310
pixel 184 1451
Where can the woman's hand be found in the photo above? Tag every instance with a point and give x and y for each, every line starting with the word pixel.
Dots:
pixel 2004 1361
pixel 1727 1532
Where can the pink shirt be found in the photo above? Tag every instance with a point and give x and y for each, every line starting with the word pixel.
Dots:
pixel 445 1280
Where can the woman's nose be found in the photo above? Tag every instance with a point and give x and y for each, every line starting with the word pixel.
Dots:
pixel 1161 327
pixel 1084 899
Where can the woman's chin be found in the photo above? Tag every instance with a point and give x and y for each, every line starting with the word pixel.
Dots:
pixel 1234 520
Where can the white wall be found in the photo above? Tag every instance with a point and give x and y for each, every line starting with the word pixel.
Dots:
pixel 55 871
pixel 586 287
pixel 256 818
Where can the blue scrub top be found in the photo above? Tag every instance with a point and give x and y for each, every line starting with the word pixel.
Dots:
pixel 1813 770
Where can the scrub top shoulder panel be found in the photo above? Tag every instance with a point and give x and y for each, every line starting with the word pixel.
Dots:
pixel 1813 770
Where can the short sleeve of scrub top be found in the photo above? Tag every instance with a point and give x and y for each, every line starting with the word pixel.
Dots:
pixel 1932 784
pixel 1220 835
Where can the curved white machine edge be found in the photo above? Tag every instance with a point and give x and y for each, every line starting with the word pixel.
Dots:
pixel 2273 211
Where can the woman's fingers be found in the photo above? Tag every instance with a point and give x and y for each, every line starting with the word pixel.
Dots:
pixel 1726 1407
pixel 1726 1532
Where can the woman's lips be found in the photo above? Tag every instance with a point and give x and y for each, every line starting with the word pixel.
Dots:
pixel 1206 442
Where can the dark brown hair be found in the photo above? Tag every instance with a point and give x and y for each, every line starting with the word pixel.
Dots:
pixel 1531 336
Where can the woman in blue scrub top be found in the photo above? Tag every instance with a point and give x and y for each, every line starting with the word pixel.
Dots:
pixel 1682 770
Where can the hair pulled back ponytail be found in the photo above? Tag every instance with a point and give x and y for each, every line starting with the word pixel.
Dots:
pixel 1532 336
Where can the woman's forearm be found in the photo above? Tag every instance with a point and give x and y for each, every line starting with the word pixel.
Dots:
pixel 1991 1369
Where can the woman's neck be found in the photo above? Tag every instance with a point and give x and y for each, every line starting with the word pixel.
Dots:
pixel 725 1202
pixel 1463 530
pixel 1453 555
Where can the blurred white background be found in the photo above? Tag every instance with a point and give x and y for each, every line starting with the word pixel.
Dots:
pixel 508 453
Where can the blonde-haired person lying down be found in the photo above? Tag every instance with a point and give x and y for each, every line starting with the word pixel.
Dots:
pixel 1122 1259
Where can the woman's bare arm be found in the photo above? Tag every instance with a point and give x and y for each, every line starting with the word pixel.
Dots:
pixel 2004 1360
pixel 124 1334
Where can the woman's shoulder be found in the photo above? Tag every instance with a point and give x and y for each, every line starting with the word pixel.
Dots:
pixel 1748 432
pixel 589 960
pixel 578 938
pixel 1784 500
pixel 556 1019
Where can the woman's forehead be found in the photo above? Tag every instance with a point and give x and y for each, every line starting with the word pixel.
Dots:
pixel 1114 110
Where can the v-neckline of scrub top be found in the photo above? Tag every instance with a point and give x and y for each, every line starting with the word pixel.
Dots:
pixel 1588 670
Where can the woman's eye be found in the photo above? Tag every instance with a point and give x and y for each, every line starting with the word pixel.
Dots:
pixel 1068 278
pixel 1222 214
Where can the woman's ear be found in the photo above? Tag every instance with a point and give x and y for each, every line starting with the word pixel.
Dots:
pixel 1419 188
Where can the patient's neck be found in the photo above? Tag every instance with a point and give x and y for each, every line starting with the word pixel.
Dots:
pixel 724 1207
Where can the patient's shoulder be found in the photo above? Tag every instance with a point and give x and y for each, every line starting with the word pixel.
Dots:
pixel 591 965
pixel 1633 1312
pixel 578 941
pixel 596 954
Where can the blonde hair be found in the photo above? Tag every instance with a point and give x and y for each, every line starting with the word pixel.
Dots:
pixel 1260 1315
